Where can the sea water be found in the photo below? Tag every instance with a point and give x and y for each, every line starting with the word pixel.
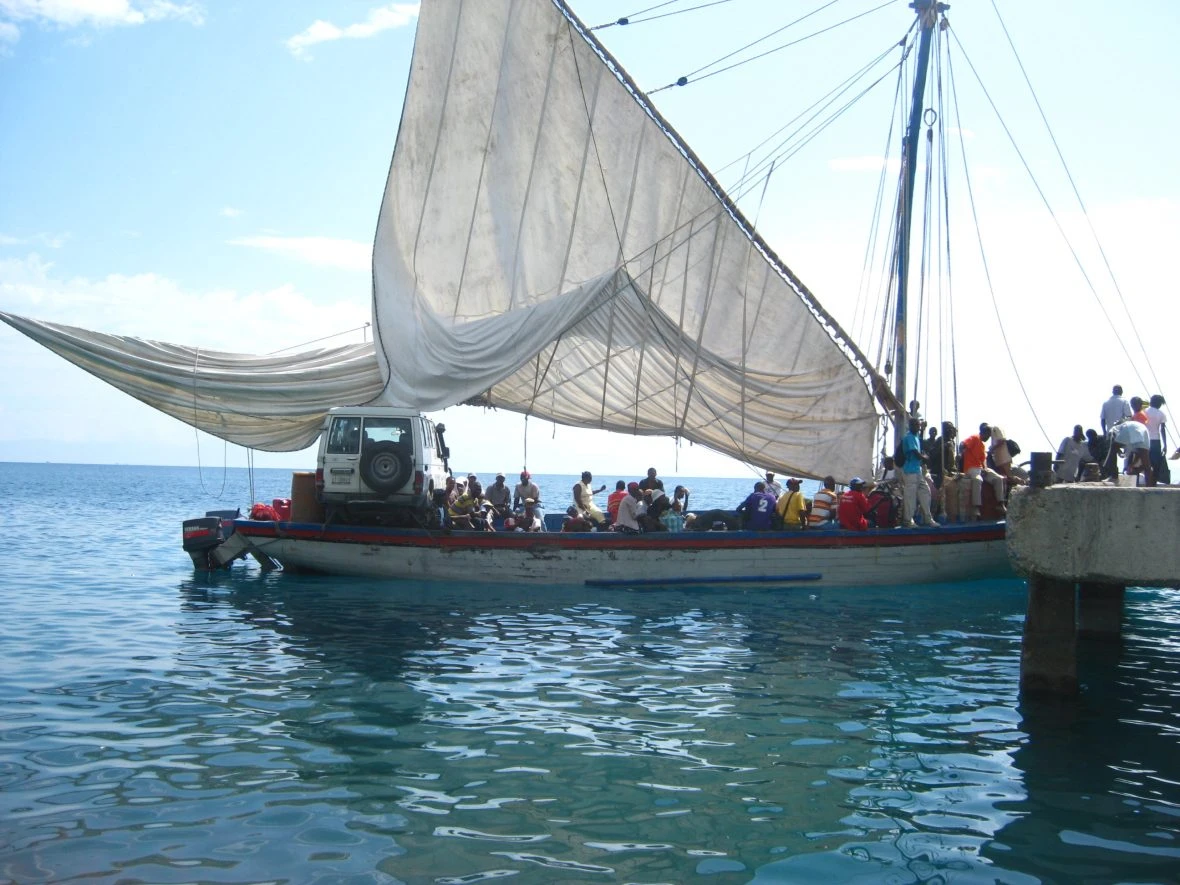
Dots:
pixel 160 724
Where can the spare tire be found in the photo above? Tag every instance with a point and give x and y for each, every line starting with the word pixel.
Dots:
pixel 385 467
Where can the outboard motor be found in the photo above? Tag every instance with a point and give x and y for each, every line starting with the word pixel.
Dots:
pixel 205 533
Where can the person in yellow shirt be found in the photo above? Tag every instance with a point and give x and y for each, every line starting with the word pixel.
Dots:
pixel 792 506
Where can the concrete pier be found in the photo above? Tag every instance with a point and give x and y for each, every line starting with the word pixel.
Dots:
pixel 1081 546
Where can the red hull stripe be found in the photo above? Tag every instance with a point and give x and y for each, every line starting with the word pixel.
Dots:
pixel 814 539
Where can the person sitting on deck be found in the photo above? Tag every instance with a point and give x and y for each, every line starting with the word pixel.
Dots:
pixel 772 485
pixel 1000 452
pixel 888 470
pixel 630 509
pixel 612 501
pixel 823 505
pixel 792 507
pixel 673 518
pixel 467 510
pixel 526 488
pixel 527 519
pixel 499 496
pixel 975 466
pixel 584 493
pixel 651 481
pixel 758 509
pixel 575 522
pixel 657 504
pixel 854 507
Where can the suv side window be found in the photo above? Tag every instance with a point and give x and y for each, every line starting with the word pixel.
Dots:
pixel 428 438
pixel 345 436
pixel 395 430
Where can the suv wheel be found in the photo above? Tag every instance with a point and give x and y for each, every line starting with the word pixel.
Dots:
pixel 385 467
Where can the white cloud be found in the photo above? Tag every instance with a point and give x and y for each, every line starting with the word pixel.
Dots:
pixel 149 305
pixel 230 212
pixel 9 33
pixel 99 13
pixel 383 18
pixel 320 251
pixel 50 241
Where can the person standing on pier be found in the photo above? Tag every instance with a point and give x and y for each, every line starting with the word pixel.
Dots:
pixel 1132 436
pixel 1157 434
pixel 1115 409
pixel 1073 453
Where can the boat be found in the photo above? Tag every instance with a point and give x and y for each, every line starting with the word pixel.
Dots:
pixel 548 244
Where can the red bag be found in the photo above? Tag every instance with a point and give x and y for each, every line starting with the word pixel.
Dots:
pixel 282 508
pixel 263 512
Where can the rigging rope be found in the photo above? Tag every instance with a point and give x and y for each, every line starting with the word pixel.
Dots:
pixel 1085 213
pixel 630 19
pixel 756 42
pixel 982 253
pixel 684 80
pixel 197 438
pixel 361 328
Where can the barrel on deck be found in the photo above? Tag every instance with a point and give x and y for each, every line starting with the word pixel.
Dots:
pixel 305 506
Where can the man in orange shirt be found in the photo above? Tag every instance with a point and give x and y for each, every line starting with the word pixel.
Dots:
pixel 974 450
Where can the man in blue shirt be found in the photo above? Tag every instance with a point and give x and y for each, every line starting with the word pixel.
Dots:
pixel 914 488
pixel 758 508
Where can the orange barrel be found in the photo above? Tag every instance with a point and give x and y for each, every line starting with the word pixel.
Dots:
pixel 305 506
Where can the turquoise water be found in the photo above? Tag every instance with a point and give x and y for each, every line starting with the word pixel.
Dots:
pixel 161 725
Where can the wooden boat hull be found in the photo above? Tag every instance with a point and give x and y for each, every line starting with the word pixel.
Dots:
pixel 825 557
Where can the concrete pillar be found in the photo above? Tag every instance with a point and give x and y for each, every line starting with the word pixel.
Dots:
pixel 1100 610
pixel 1048 656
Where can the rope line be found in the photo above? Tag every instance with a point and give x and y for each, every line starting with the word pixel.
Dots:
pixel 684 81
pixel 1085 213
pixel 983 254
pixel 631 20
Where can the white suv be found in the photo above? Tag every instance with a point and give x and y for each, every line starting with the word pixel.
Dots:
pixel 380 464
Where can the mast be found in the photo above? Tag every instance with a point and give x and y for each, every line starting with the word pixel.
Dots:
pixel 928 12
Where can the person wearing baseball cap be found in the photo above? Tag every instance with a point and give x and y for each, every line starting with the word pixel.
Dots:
pixel 854 507
pixel 792 507
pixel 526 488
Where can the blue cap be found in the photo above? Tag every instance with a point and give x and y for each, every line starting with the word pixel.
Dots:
pixel 856 481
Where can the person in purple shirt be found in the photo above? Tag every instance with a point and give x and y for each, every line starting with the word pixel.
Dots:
pixel 758 508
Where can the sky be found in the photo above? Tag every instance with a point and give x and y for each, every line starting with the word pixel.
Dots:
pixel 210 174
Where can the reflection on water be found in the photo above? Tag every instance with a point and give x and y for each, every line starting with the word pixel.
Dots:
pixel 165 727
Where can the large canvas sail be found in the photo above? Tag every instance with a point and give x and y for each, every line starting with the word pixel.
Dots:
pixel 275 403
pixel 546 244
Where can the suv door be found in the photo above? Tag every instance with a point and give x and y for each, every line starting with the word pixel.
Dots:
pixel 387 456
pixel 342 455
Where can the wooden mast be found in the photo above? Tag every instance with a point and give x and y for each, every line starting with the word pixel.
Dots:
pixel 928 12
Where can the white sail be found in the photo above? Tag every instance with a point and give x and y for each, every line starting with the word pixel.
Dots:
pixel 546 244
pixel 274 403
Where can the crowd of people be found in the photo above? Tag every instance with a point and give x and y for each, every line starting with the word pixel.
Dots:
pixel 633 507
pixel 931 476
pixel 1133 429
